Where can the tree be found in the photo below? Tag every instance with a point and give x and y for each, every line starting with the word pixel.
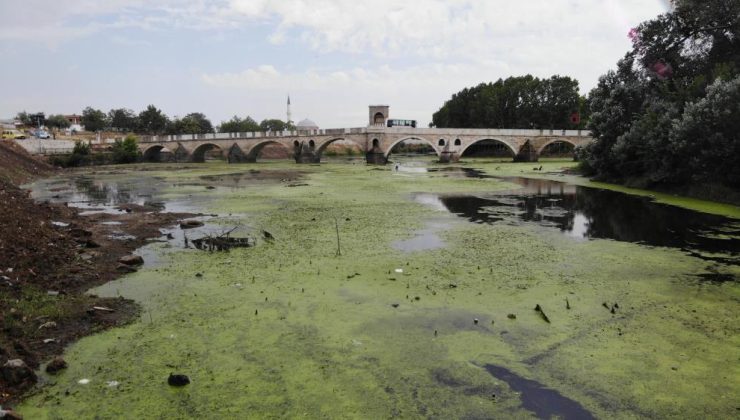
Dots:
pixel 193 123
pixel 152 121
pixel 94 119
pixel 126 151
pixel 238 125
pixel 58 121
pixel 273 125
pixel 23 118
pixel 123 119
pixel 670 113
pixel 517 102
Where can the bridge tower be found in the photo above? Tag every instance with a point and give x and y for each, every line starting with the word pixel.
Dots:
pixel 378 115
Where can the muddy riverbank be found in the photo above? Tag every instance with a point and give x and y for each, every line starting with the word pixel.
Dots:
pixel 50 256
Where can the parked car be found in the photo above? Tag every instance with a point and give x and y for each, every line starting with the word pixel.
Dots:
pixel 42 134
pixel 13 134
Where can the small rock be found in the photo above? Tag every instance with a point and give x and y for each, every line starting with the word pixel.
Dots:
pixel 131 260
pixel 511 316
pixel 80 233
pixel 189 224
pixel 122 268
pixel 475 321
pixel 178 380
pixel 56 364
pixel 16 372
pixel 198 274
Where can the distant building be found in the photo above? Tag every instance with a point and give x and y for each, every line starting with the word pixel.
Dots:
pixel 306 125
pixel 74 119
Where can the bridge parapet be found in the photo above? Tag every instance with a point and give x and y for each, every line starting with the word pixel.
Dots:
pixel 431 132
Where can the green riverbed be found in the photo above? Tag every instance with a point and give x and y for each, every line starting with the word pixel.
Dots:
pixel 289 329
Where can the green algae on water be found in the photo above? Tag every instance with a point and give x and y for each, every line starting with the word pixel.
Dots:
pixel 289 329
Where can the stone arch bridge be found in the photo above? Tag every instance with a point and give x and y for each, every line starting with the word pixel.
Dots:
pixel 376 142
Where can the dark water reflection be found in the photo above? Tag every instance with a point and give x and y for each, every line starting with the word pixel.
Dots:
pixel 583 212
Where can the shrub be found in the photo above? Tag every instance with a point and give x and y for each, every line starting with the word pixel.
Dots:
pixel 126 151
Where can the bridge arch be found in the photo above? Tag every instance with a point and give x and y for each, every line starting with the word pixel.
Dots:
pixel 387 152
pixel 553 141
pixel 322 147
pixel 199 154
pixel 508 146
pixel 153 153
pixel 254 152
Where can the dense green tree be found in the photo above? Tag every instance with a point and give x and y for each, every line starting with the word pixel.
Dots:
pixel 517 102
pixel 193 123
pixel 126 150
pixel 152 121
pixel 58 121
pixel 274 125
pixel 94 119
pixel 669 113
pixel 238 125
pixel 23 118
pixel 123 119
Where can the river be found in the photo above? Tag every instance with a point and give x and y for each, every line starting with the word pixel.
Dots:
pixel 410 292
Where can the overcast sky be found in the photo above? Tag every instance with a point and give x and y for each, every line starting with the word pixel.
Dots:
pixel 334 57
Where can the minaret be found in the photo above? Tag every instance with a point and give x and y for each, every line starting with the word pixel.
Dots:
pixel 289 121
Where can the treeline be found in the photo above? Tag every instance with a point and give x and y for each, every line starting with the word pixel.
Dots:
pixel 516 102
pixel 152 121
pixel 670 112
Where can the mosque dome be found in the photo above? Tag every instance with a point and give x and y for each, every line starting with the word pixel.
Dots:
pixel 307 124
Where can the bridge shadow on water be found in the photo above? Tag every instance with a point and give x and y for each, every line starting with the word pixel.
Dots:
pixel 582 213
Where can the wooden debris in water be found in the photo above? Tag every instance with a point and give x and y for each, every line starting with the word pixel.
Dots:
pixel 223 242
pixel 538 308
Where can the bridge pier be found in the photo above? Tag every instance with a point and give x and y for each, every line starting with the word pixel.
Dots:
pixel 448 156
pixel 306 153
pixel 527 153
pixel 375 158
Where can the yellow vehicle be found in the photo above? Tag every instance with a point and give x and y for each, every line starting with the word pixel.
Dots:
pixel 12 134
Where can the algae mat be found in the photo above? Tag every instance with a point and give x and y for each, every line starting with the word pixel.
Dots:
pixel 290 329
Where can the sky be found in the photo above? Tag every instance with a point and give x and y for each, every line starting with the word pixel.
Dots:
pixel 333 57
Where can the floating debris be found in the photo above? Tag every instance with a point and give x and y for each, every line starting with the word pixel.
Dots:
pixel 538 308
pixel 210 243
